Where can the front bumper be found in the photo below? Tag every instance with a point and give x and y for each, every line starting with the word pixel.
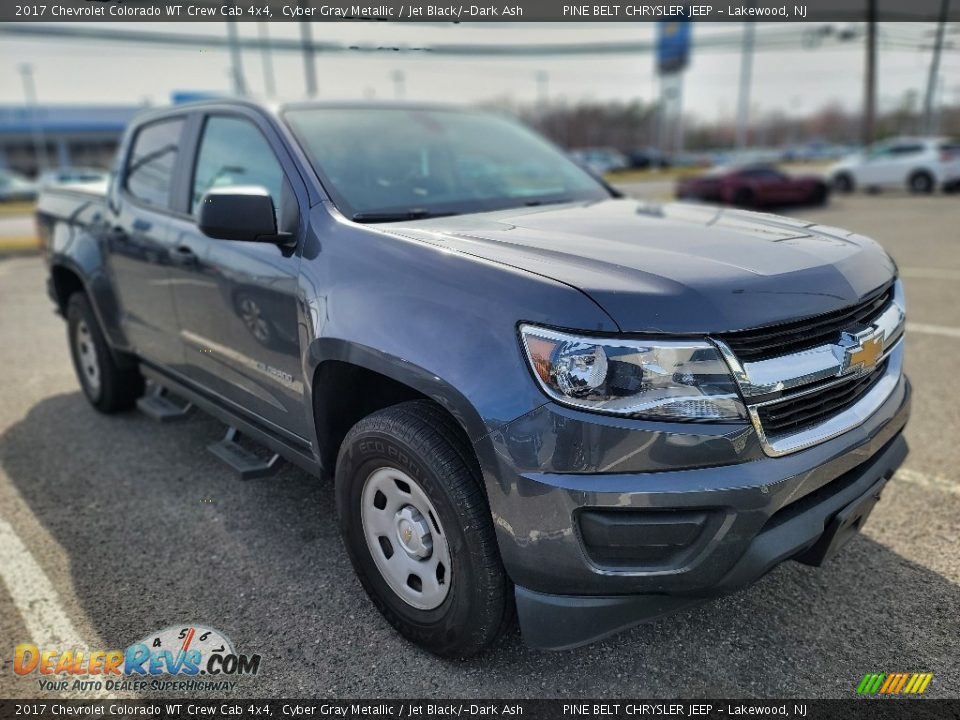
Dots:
pixel 724 520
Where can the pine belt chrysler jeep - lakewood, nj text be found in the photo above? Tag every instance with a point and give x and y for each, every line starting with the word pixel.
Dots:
pixel 535 396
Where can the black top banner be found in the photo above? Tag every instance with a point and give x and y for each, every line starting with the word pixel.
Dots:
pixel 237 709
pixel 496 11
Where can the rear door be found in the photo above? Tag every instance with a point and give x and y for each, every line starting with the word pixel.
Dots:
pixel 906 158
pixel 237 301
pixel 890 165
pixel 136 230
pixel 878 164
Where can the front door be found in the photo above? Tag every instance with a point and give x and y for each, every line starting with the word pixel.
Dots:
pixel 237 301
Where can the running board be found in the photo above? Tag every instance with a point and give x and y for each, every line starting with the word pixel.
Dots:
pixel 159 405
pixel 246 464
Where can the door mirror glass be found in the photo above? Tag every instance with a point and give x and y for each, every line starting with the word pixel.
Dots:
pixel 238 213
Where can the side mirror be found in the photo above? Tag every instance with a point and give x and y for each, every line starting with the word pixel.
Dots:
pixel 239 213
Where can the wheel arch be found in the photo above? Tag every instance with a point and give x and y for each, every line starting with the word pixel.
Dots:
pixel 923 170
pixel 350 381
pixel 66 279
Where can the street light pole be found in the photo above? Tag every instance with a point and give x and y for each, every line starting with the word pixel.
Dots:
pixel 746 73
pixel 399 87
pixel 269 85
pixel 870 76
pixel 30 95
pixel 236 60
pixel 928 122
pixel 543 88
pixel 309 70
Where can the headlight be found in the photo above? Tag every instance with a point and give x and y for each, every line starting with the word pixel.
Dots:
pixel 657 379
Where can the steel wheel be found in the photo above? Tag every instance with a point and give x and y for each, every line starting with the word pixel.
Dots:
pixel 87 356
pixel 405 538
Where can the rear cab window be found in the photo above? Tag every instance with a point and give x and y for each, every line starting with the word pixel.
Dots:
pixel 148 175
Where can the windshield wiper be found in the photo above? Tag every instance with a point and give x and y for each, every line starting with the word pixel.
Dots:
pixel 413 214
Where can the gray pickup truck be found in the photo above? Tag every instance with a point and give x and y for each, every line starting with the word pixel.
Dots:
pixel 536 397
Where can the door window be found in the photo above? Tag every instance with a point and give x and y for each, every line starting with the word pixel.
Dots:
pixel 149 172
pixel 763 174
pixel 234 152
pixel 904 150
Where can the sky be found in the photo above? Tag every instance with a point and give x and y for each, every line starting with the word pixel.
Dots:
pixel 789 78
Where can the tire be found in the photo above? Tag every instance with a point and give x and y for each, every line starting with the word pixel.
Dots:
pixel 108 386
pixel 820 195
pixel 921 182
pixel 843 183
pixel 743 198
pixel 457 611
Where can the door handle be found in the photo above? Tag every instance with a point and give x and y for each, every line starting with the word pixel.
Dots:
pixel 184 255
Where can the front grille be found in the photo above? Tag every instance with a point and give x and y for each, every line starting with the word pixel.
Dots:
pixel 794 414
pixel 791 337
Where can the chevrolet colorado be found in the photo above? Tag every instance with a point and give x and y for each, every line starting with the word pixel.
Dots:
pixel 534 396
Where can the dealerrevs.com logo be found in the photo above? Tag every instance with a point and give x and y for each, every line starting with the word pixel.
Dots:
pixel 199 657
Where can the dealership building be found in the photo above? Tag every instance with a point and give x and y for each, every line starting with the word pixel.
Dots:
pixel 65 135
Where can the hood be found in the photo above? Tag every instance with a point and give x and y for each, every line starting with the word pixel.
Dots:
pixel 675 268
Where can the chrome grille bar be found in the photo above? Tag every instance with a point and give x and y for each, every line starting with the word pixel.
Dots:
pixel 767 382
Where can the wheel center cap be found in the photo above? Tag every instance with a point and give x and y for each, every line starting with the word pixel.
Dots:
pixel 413 532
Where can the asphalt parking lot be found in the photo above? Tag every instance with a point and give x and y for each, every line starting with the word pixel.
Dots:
pixel 112 527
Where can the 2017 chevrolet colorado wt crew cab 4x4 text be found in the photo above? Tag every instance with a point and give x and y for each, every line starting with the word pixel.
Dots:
pixel 534 395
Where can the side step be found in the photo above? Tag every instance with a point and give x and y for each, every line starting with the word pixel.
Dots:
pixel 246 464
pixel 159 405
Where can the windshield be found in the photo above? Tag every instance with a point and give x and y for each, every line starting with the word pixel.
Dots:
pixel 382 164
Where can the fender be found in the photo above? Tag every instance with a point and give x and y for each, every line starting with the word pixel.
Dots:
pixel 402 371
pixel 75 247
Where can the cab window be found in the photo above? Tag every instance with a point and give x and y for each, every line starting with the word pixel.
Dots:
pixel 234 152
pixel 150 165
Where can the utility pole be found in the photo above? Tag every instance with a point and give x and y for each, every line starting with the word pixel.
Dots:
pixel 935 68
pixel 746 76
pixel 543 88
pixel 309 70
pixel 236 60
pixel 679 137
pixel 399 84
pixel 268 81
pixel 30 95
pixel 870 77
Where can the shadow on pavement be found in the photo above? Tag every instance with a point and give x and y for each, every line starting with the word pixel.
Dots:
pixel 158 533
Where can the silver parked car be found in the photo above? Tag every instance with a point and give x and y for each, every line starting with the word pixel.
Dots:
pixel 14 187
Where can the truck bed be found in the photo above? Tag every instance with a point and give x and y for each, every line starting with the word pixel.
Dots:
pixel 71 205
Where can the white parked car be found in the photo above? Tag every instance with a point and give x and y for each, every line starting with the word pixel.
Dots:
pixel 72 175
pixel 601 160
pixel 920 165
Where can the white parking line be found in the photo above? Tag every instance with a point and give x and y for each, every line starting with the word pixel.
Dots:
pixel 38 604
pixel 33 594
pixel 933 329
pixel 934 482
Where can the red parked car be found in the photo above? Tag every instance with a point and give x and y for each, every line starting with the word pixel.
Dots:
pixel 754 186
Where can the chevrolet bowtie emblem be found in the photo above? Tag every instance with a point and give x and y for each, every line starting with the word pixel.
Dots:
pixel 861 351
